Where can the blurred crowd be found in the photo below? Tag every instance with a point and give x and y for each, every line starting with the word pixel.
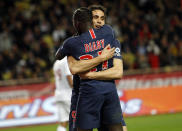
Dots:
pixel 150 32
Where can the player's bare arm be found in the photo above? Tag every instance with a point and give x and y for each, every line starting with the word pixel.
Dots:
pixel 70 81
pixel 80 66
pixel 116 72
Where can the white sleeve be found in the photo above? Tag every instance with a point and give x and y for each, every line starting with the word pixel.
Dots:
pixel 67 70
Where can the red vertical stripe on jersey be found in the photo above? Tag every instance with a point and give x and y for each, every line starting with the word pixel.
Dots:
pixel 91 31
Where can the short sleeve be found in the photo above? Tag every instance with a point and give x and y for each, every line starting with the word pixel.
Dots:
pixel 67 70
pixel 63 49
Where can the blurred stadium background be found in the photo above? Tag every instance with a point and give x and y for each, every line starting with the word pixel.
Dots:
pixel 150 32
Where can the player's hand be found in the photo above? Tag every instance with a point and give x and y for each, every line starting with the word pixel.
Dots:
pixel 107 53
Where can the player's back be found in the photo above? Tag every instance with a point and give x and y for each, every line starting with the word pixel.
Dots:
pixel 61 71
pixel 87 46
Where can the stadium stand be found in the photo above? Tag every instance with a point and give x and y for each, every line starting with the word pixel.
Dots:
pixel 150 32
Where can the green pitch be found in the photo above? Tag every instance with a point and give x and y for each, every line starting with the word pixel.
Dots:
pixel 169 122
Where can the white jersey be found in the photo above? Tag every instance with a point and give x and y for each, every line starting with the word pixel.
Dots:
pixel 61 71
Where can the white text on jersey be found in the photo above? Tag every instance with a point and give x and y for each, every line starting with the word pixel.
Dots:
pixel 92 46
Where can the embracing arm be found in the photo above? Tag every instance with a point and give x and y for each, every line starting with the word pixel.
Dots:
pixel 116 72
pixel 80 66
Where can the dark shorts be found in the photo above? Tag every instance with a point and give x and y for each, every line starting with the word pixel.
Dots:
pixel 72 116
pixel 99 109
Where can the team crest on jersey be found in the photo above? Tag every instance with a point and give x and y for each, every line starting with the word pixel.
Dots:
pixel 117 52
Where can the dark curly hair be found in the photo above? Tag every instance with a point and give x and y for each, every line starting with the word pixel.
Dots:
pixel 82 15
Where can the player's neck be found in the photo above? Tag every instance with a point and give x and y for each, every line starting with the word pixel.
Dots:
pixel 85 28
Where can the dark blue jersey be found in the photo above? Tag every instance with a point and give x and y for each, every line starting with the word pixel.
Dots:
pixel 76 85
pixel 87 46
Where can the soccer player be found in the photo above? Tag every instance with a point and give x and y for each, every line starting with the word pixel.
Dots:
pixel 63 83
pixel 96 98
pixel 99 14
pixel 76 84
pixel 99 17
